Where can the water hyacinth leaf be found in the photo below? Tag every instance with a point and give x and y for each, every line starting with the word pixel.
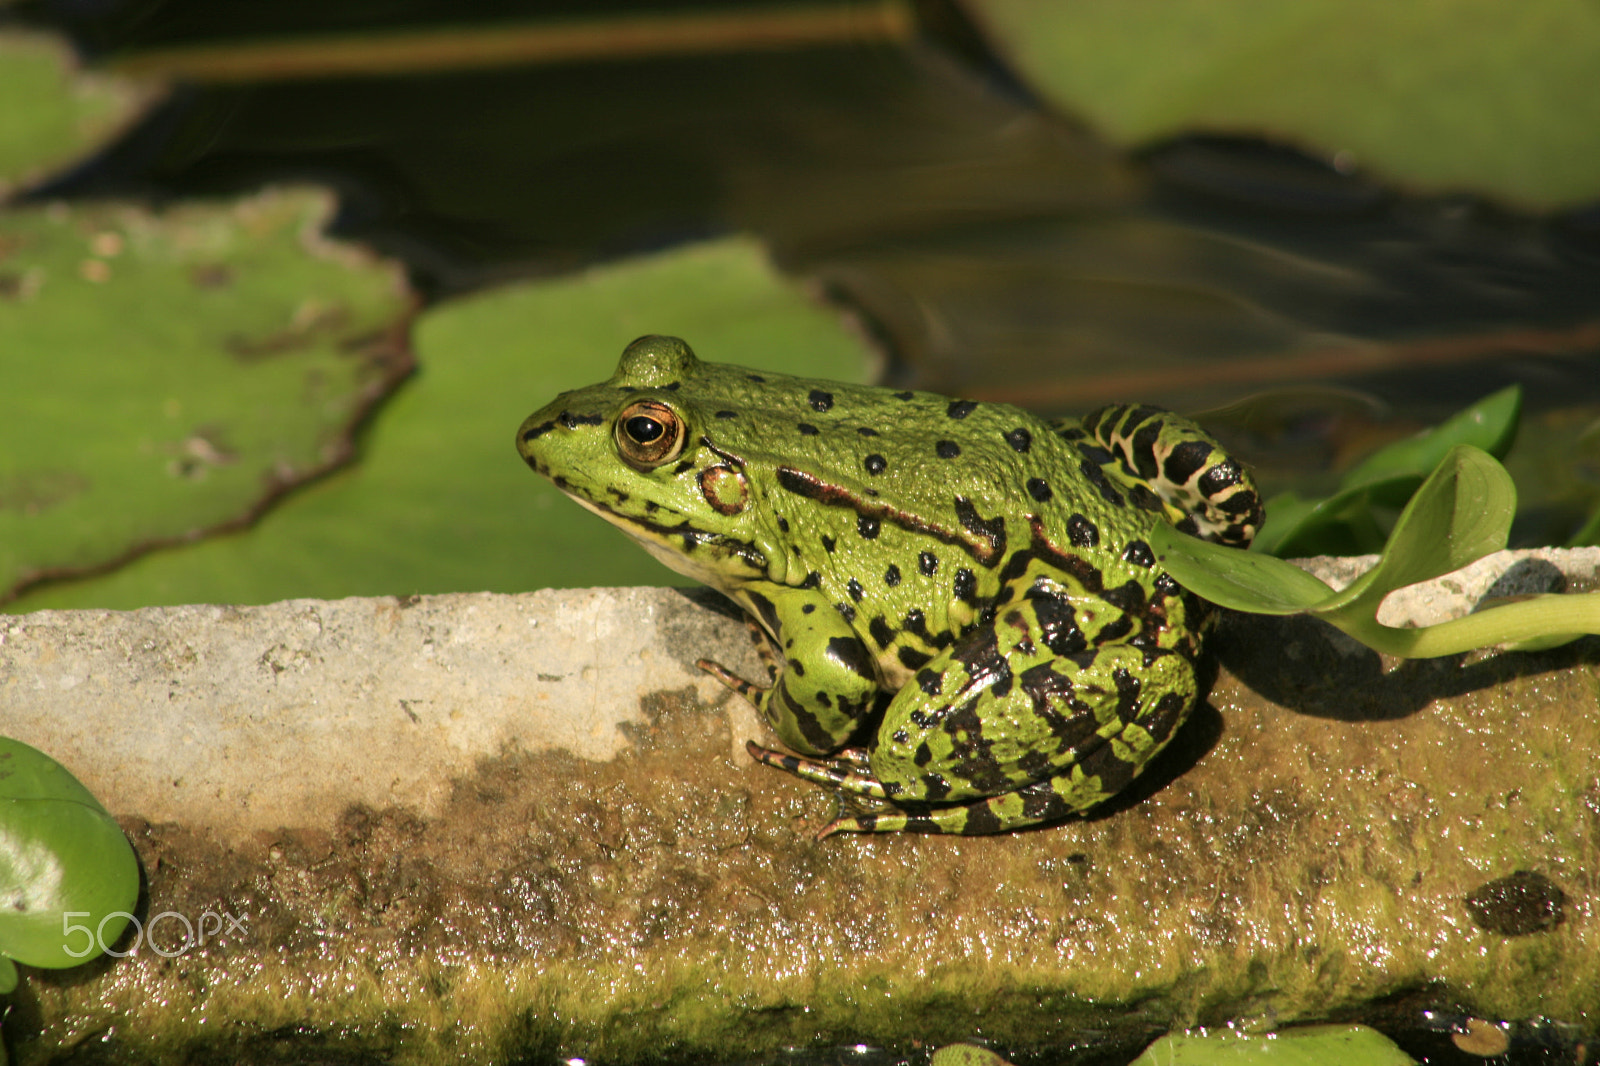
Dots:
pixel 1460 514
pixel 1490 424
pixel 171 373
pixel 63 863
pixel 1356 519
pixel 440 501
pixel 8 979
pixel 1243 581
pixel 1342 524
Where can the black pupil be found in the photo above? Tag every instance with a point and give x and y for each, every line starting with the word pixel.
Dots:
pixel 643 429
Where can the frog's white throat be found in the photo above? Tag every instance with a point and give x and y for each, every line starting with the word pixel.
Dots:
pixel 673 560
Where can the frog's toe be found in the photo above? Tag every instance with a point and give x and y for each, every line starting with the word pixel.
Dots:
pixel 753 693
pixel 821 773
pixel 840 774
pixel 1034 804
pixel 857 758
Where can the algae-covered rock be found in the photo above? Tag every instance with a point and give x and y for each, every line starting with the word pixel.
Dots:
pixel 589 866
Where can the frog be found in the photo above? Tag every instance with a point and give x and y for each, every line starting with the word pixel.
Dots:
pixel 966 628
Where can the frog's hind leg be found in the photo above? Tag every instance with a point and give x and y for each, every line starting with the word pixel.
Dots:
pixel 1160 458
pixel 1042 801
pixel 1033 804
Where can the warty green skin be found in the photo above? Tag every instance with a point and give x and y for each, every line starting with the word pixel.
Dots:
pixel 979 574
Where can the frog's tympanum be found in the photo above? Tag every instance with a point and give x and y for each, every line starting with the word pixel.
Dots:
pixel 962 589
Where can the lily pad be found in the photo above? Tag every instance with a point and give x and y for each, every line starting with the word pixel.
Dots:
pixel 440 501
pixel 169 374
pixel 51 112
pixel 1317 1045
pixel 1460 95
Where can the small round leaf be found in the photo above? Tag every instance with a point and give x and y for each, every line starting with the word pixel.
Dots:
pixel 64 864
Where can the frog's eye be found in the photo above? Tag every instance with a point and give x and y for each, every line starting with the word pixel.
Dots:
pixel 649 434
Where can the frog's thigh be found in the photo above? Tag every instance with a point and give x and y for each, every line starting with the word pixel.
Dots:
pixel 828 681
pixel 1006 713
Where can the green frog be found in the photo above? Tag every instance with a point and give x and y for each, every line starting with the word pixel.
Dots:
pixel 961 590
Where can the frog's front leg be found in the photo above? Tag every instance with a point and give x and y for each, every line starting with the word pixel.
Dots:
pixel 827 680
pixel 1003 731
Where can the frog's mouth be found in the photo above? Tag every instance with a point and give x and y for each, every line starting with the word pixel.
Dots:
pixel 657 539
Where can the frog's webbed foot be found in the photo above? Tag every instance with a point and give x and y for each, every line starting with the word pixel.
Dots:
pixel 847 773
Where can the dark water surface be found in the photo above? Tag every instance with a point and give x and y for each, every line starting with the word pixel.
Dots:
pixel 993 247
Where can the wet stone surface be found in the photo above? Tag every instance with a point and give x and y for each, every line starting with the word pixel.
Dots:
pixel 1317 843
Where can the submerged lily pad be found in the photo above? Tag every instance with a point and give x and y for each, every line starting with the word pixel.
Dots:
pixel 168 374
pixel 440 501
pixel 1317 1045
pixel 1460 95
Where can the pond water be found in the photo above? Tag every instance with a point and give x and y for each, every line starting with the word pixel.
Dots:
pixel 993 248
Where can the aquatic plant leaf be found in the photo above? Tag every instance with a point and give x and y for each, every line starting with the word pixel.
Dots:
pixel 1358 518
pixel 51 112
pixel 1460 514
pixel 440 501
pixel 68 877
pixel 1345 523
pixel 1489 424
pixel 1315 1045
pixel 1243 581
pixel 169 374
pixel 1462 95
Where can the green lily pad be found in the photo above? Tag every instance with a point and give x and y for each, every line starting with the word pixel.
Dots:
pixel 170 374
pixel 68 877
pixel 1466 94
pixel 440 501
pixel 1317 1045
pixel 51 112
pixel 966 1055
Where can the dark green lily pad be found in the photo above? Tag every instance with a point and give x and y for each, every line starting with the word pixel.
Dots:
pixel 170 374
pixel 440 501
pixel 68 877
pixel 52 113
pixel 1470 95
